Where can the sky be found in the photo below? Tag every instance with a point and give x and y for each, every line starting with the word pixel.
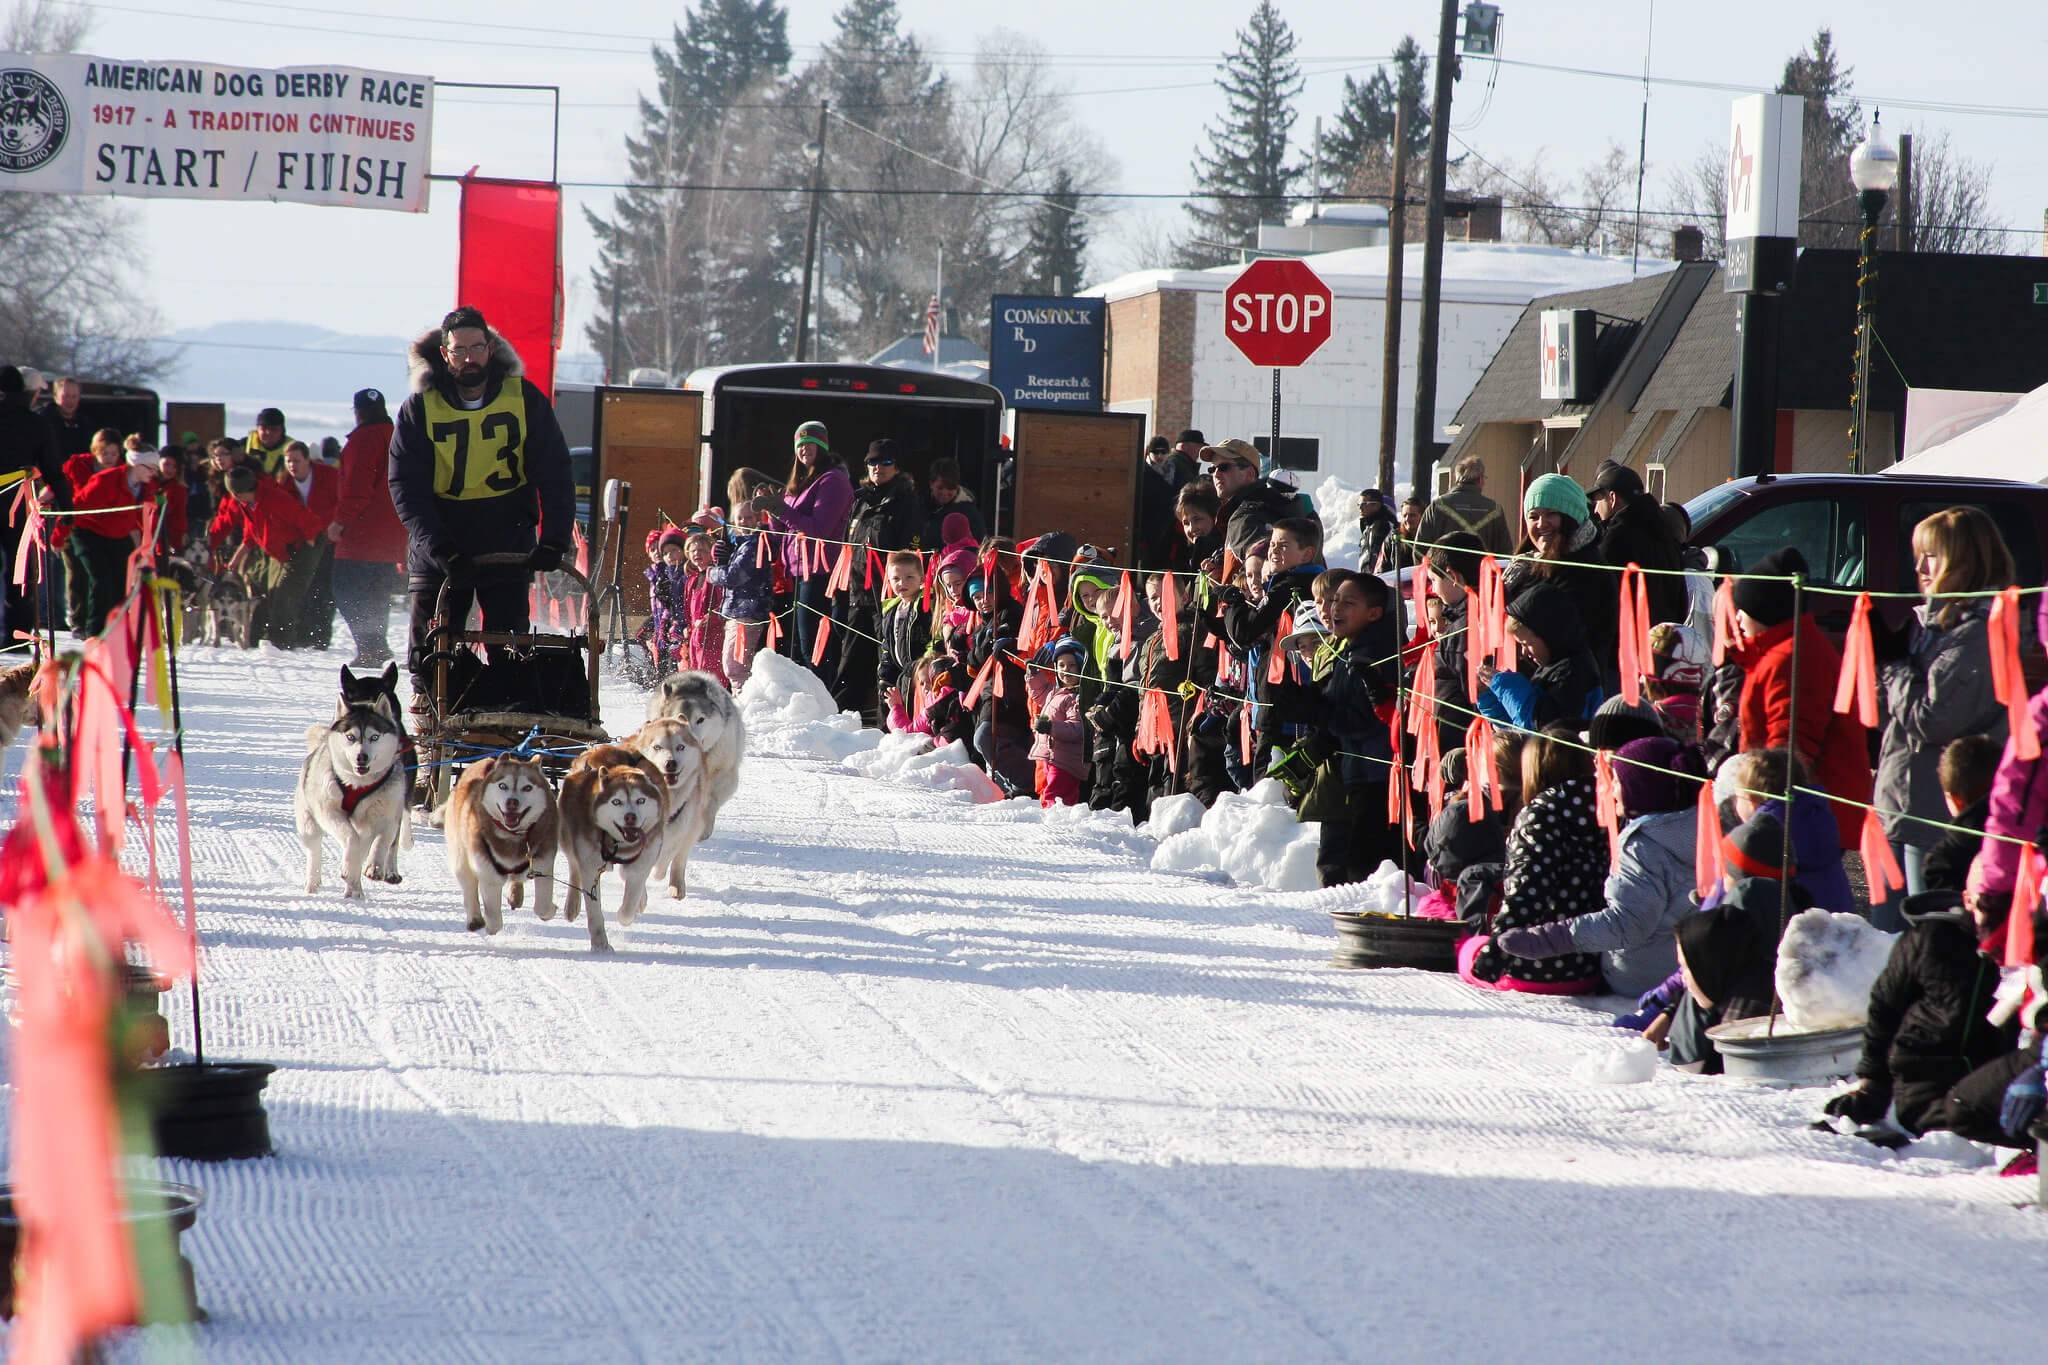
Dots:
pixel 378 272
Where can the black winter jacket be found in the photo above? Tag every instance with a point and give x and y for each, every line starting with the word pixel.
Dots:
pixel 1251 512
pixel 906 634
pixel 1250 627
pixel 884 517
pixel 1926 1025
pixel 538 509
pixel 1637 535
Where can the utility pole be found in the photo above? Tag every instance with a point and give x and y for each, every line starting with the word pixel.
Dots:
pixel 1423 450
pixel 1903 223
pixel 1397 260
pixel 803 307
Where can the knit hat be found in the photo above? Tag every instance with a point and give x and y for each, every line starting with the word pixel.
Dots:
pixel 1756 847
pixel 672 535
pixel 1679 655
pixel 710 518
pixel 270 417
pixel 1066 644
pixel 1617 723
pixel 1645 788
pixel 146 458
pixel 954 527
pixel 1723 947
pixel 1768 602
pixel 813 434
pixel 1558 493
pixel 1612 476
pixel 961 554
pixel 1551 613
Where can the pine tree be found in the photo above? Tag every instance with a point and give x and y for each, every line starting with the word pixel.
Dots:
pixel 884 245
pixel 1365 120
pixel 1245 173
pixel 1831 129
pixel 1058 243
pixel 699 276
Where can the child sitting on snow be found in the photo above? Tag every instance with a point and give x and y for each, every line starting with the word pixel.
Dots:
pixel 1059 748
pixel 1926 1028
pixel 1555 678
pixel 1656 785
pixel 1556 864
pixel 1725 958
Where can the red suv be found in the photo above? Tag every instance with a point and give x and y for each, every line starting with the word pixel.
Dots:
pixel 1856 531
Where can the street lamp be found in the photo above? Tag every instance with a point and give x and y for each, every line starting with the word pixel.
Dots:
pixel 1873 170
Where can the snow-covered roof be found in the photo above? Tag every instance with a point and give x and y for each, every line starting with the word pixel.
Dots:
pixel 1474 272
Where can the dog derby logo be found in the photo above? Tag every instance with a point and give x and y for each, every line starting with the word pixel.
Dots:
pixel 33 120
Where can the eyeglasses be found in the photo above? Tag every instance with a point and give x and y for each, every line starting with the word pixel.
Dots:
pixel 881 464
pixel 480 349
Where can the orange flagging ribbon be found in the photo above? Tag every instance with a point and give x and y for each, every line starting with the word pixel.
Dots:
pixel 1858 686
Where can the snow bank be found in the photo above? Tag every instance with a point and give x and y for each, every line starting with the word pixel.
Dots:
pixel 1337 505
pixel 1826 966
pixel 1250 837
pixel 910 760
pixel 1173 815
pixel 783 692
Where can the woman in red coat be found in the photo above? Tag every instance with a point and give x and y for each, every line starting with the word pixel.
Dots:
pixel 1834 748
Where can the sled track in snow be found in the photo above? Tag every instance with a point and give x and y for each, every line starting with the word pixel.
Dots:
pixel 910 1079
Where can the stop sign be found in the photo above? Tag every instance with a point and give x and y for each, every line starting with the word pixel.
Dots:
pixel 1277 312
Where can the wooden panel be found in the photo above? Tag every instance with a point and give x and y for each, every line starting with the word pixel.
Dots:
pixel 1078 472
pixel 204 420
pixel 652 440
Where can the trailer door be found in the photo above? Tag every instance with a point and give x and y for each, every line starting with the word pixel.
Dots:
pixel 205 421
pixel 1078 472
pixel 651 439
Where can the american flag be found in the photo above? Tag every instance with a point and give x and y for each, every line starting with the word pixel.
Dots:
pixel 931 328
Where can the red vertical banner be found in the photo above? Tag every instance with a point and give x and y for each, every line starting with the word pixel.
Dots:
pixel 510 266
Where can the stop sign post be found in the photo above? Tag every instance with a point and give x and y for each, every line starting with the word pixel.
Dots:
pixel 1278 313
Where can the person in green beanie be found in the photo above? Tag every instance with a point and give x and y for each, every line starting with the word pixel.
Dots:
pixel 1561 545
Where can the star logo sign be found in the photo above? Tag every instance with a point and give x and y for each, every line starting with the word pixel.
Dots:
pixel 1741 175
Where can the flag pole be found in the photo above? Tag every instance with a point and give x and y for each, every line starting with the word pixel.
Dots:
pixel 939 304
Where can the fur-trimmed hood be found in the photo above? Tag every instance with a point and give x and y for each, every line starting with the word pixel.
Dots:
pixel 425 365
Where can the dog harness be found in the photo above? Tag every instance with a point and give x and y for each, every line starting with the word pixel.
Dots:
pixel 525 864
pixel 609 848
pixel 351 797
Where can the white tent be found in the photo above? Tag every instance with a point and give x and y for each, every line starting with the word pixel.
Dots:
pixel 2011 446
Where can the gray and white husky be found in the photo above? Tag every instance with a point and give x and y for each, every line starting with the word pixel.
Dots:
pixel 352 788
pixel 701 702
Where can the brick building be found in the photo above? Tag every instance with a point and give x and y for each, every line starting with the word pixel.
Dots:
pixel 1169 359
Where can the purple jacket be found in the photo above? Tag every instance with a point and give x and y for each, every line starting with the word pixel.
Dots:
pixel 820 513
pixel 2019 808
pixel 1065 743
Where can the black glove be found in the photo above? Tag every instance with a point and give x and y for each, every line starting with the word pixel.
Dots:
pixel 545 558
pixel 1043 725
pixel 1006 645
pixel 458 568
pixel 1318 747
pixel 1865 1102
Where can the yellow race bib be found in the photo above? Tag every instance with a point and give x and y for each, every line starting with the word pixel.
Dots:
pixel 481 453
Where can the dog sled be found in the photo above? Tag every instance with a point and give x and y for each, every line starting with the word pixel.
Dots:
pixel 491 691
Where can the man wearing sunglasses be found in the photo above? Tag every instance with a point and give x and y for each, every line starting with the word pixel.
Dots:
pixel 478 467
pixel 1250 504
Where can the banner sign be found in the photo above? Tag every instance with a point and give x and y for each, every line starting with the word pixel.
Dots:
pixel 339 135
pixel 1762 204
pixel 1046 352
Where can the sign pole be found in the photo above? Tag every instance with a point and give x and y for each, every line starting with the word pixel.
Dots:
pixel 1273 450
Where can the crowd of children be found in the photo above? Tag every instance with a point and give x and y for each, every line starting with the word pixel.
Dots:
pixel 1578 867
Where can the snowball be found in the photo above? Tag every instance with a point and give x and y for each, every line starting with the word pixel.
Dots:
pixel 1946 1146
pixel 1827 964
pixel 781 691
pixel 1172 815
pixel 1623 1060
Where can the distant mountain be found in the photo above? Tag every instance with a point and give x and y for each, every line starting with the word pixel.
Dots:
pixel 287 362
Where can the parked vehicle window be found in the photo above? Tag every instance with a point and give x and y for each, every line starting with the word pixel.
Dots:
pixel 2014 520
pixel 1828 533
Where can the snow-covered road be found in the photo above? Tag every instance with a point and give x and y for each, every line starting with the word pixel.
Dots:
pixel 911 1079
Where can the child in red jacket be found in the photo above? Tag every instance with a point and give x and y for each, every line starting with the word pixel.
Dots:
pixel 104 539
pixel 1832 747
pixel 279 553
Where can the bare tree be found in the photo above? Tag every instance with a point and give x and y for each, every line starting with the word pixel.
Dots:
pixel 67 263
pixel 1952 200
pixel 1593 212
